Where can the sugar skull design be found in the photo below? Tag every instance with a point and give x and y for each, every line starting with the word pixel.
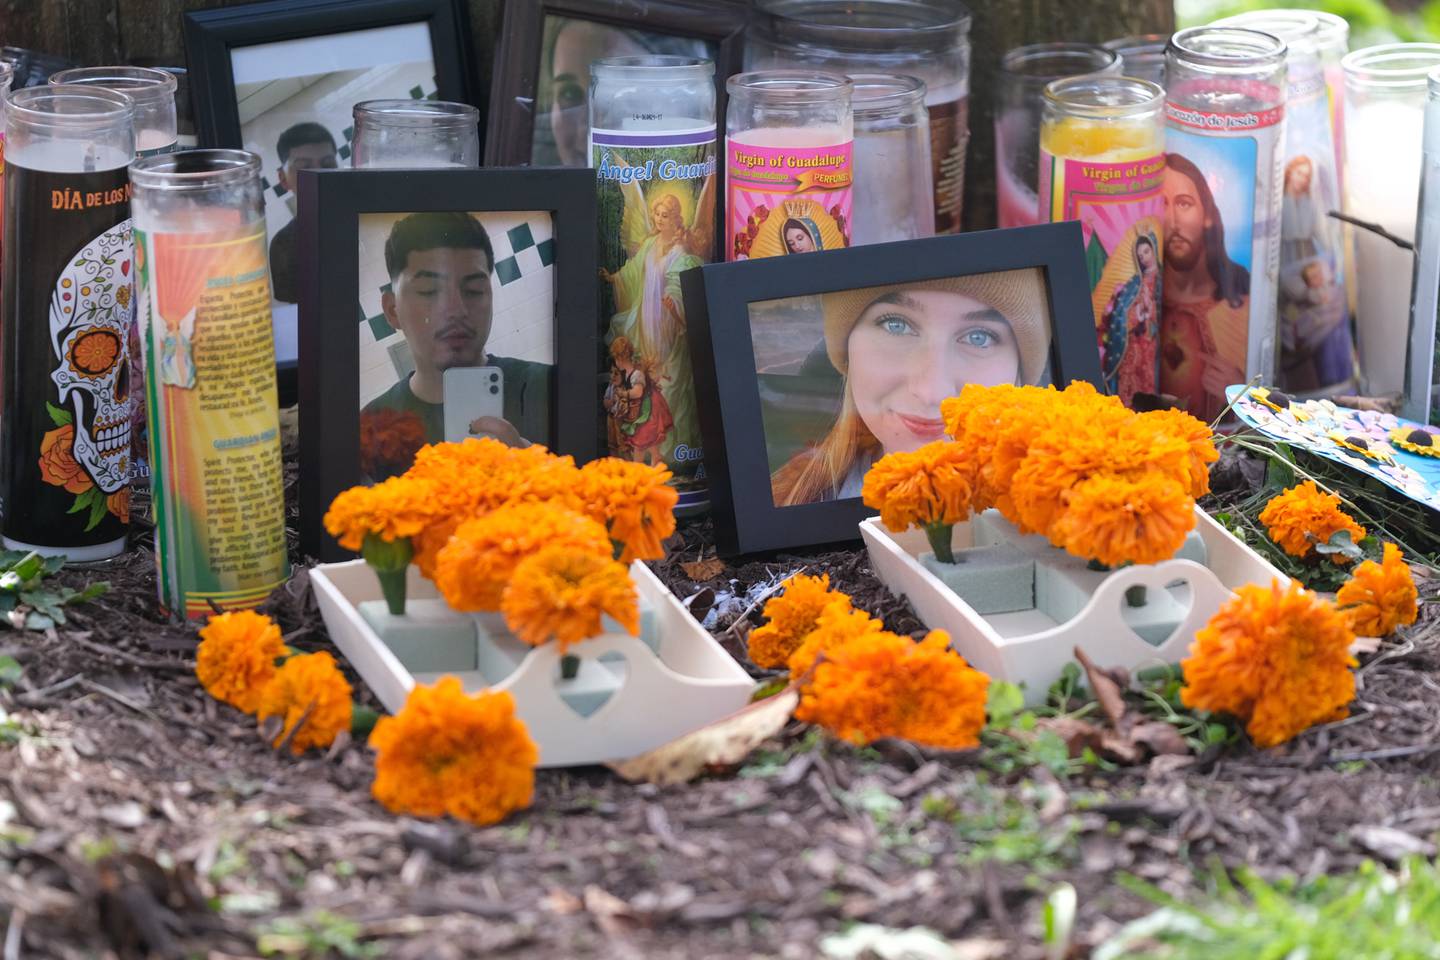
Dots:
pixel 90 315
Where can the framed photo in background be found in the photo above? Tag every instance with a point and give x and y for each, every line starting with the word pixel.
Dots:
pixel 539 103
pixel 441 304
pixel 810 368
pixel 281 79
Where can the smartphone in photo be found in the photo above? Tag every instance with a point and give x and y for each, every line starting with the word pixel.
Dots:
pixel 471 393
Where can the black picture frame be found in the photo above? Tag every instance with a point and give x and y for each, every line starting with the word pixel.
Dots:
pixel 717 301
pixel 509 139
pixel 331 205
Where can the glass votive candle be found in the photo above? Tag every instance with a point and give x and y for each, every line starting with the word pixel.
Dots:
pixel 1385 96
pixel 1142 55
pixel 1423 373
pixel 1019 86
pixel 415 133
pixel 153 93
pixel 892 159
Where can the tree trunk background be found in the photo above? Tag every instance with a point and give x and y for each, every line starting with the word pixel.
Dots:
pixel 148 31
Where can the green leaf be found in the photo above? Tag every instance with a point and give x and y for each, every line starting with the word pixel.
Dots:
pixel 1341 543
pixel 53 564
pixel 58 416
pixel 10 671
pixel 98 509
pixel 97 589
pixel 83 500
pixel 35 620
pixel 1050 750
pixel 362 720
pixel 1004 701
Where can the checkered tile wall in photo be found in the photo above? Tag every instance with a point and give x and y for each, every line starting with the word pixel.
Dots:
pixel 523 287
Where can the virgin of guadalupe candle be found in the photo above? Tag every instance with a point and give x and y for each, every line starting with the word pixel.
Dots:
pixel 652 144
pixel 788 163
pixel 203 292
pixel 64 322
pixel 1224 143
pixel 1102 162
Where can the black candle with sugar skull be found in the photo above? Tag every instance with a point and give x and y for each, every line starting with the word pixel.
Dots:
pixel 64 361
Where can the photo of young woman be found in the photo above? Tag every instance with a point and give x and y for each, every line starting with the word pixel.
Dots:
pixel 899 351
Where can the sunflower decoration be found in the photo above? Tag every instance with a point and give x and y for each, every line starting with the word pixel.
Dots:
pixel 1418 441
pixel 1365 447
pixel 1279 402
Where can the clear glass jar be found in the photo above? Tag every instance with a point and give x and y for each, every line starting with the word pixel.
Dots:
pixel 1225 111
pixel 652 93
pixel 1019 87
pixel 66 321
pixel 928 39
pixel 1143 55
pixel 415 133
pixel 153 92
pixel 892 159
pixel 1422 384
pixel 788 169
pixel 1385 96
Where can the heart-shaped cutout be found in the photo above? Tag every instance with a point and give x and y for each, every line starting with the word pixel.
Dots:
pixel 585 684
pixel 1155 613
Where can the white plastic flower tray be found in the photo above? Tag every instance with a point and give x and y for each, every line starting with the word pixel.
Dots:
pixel 691 682
pixel 1031 647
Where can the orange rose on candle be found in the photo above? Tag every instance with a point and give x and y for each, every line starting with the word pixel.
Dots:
pixel 58 465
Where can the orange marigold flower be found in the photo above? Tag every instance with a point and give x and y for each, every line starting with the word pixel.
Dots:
pixel 474 566
pixel 1379 597
pixel 446 752
pixel 311 686
pixel 1125 521
pixel 1302 516
pixel 398 507
pixel 837 623
pixel 634 501
pixel 930 486
pixel 236 657
pixel 790 616
pixel 882 685
pixel 559 594
pixel 389 440
pixel 1197 437
pixel 1278 658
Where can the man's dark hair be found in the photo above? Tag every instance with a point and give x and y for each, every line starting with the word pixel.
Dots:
pixel 1232 281
pixel 427 231
pixel 302 135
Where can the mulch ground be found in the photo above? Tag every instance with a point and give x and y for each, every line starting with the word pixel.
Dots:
pixel 138 817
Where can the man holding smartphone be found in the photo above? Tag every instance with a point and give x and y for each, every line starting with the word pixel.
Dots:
pixel 440 299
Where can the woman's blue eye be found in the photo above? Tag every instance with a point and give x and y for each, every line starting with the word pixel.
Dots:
pixel 979 337
pixel 895 325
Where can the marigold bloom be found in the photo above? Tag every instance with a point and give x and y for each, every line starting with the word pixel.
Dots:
pixel 1379 597
pixel 559 594
pixel 236 657
pixel 1125 521
pixel 930 486
pixel 790 616
pixel 1278 658
pixel 389 440
pixel 1302 516
pixel 307 683
pixel 837 623
pixel 634 501
pixel 398 507
pixel 1197 437
pixel 474 566
pixel 882 685
pixel 446 752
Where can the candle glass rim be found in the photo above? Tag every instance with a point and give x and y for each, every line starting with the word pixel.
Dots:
pixel 194 169
pixel 7 70
pixel 1033 53
pixel 1300 29
pixel 791 86
pixel 1332 26
pixel 1365 67
pixel 653 68
pixel 956 22
pixel 1265 49
pixel 23 105
pixel 144 85
pixel 904 90
pixel 1148 96
pixel 400 112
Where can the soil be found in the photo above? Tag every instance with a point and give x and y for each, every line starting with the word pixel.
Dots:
pixel 139 817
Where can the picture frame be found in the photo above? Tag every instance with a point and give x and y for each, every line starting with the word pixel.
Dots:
pixel 514 93
pixel 718 299
pixel 331 220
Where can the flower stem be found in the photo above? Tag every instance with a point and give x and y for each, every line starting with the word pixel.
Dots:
pixel 569 667
pixel 392 585
pixel 940 535
pixel 389 559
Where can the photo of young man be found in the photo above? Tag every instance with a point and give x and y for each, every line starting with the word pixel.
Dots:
pixel 305 146
pixel 441 300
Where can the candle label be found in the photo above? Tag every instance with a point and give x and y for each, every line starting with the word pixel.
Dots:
pixel 1120 207
pixel 139 422
pixel 1222 249
pixel 204 305
pixel 949 138
pixel 657 220
pixel 787 199
pixel 68 278
pixel 1317 351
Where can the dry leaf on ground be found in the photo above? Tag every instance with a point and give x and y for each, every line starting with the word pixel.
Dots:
pixel 723 743
pixel 700 570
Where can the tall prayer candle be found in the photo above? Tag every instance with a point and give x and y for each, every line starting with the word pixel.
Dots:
pixel 653 147
pixel 1384 120
pixel 1224 140
pixel 788 169
pixel 1423 374
pixel 64 322
pixel 1102 162
pixel 892 159
pixel 415 133
pixel 203 296
pixel 1143 55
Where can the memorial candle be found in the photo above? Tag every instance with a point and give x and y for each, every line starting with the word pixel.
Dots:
pixel 892 159
pixel 415 133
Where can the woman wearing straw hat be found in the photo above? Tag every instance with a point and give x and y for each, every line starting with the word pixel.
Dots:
pixel 904 348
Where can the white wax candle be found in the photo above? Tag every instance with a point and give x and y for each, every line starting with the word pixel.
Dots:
pixel 1382 185
pixel 892 187
pixel 151 139
pixel 63 156
pixel 827 135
